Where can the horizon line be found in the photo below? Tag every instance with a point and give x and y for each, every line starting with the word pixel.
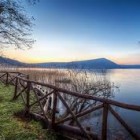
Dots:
pixel 68 61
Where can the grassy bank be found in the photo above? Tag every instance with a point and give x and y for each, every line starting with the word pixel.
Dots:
pixel 14 128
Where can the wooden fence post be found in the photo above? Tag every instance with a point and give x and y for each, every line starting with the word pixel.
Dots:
pixel 27 107
pixel 28 77
pixel 104 121
pixel 16 88
pixel 7 74
pixel 54 109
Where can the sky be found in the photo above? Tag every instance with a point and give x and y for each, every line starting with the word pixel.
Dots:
pixel 69 30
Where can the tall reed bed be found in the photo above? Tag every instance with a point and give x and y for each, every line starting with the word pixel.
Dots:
pixel 81 81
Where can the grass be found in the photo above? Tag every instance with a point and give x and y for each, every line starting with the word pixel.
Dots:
pixel 13 128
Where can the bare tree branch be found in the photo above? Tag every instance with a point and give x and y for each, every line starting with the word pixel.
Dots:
pixel 15 25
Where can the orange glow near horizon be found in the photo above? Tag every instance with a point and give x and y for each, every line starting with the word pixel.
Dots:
pixel 64 35
pixel 40 55
pixel 24 57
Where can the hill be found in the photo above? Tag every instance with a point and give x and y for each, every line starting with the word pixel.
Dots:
pixel 10 62
pixel 101 63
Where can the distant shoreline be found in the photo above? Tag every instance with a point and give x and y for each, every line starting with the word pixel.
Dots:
pixel 100 63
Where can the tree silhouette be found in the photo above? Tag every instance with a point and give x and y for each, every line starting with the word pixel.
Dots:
pixel 15 25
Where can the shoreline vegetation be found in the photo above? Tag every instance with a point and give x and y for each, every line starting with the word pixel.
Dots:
pixel 73 80
pixel 76 81
pixel 93 83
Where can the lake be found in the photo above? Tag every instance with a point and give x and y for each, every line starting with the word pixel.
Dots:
pixel 128 81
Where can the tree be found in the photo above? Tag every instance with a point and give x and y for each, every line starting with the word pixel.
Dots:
pixel 80 81
pixel 90 83
pixel 15 25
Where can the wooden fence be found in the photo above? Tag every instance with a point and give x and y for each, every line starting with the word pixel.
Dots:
pixel 32 97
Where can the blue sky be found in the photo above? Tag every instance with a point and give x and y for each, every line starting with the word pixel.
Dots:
pixel 68 30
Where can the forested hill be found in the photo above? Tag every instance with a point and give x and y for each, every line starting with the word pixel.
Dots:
pixel 11 62
pixel 101 63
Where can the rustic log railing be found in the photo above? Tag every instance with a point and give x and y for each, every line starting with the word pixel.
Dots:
pixel 33 96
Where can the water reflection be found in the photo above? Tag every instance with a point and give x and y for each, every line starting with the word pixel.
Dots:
pixel 129 92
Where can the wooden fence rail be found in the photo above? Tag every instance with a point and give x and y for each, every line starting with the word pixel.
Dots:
pixel 28 91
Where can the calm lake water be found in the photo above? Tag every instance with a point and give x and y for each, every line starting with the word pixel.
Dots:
pixel 128 81
pixel 129 85
pixel 129 92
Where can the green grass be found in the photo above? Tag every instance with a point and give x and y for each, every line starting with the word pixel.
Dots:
pixel 13 128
